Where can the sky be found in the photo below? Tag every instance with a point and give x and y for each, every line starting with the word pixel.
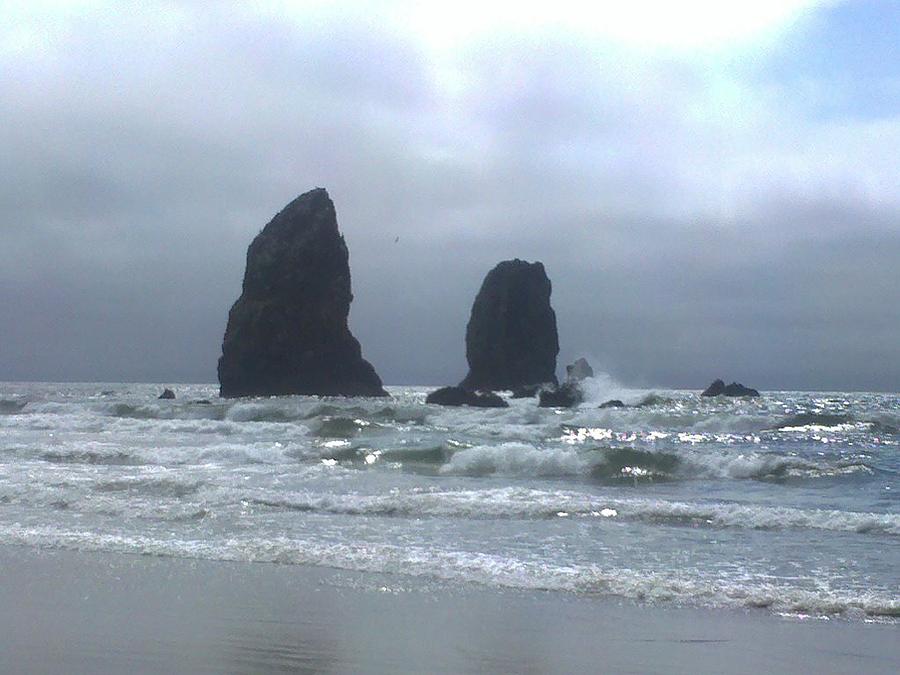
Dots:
pixel 712 186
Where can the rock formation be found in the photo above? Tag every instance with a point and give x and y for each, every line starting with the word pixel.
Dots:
pixel 529 390
pixel 567 395
pixel 456 396
pixel 511 338
pixel 719 388
pixel 579 370
pixel 612 403
pixel 288 333
pixel 570 393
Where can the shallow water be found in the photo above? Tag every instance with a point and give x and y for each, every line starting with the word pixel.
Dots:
pixel 788 502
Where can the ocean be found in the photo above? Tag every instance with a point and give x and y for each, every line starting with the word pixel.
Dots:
pixel 787 504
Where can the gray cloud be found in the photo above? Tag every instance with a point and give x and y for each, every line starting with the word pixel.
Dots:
pixel 695 219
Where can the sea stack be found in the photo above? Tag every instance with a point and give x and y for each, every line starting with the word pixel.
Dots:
pixel 288 333
pixel 511 338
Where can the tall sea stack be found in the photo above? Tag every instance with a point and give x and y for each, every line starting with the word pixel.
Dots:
pixel 288 333
pixel 511 338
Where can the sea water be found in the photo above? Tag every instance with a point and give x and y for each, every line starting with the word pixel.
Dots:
pixel 787 502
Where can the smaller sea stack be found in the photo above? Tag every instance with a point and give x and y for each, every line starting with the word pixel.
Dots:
pixel 511 338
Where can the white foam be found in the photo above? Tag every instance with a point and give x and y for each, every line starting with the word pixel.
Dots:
pixel 518 502
pixel 480 567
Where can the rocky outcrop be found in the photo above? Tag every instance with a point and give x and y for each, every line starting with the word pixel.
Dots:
pixel 612 403
pixel 166 394
pixel 719 388
pixel 288 333
pixel 570 393
pixel 566 395
pixel 511 338
pixel 456 396
pixel 528 390
pixel 579 370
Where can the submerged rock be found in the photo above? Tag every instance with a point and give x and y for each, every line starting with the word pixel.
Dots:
pixel 566 395
pixel 456 396
pixel 511 338
pixel 167 394
pixel 613 403
pixel 579 370
pixel 719 388
pixel 288 333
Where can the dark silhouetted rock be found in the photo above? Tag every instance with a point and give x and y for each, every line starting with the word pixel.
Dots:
pixel 566 395
pixel 511 338
pixel 737 389
pixel 613 403
pixel 287 333
pixel 578 371
pixel 529 390
pixel 167 393
pixel 456 396
pixel 719 388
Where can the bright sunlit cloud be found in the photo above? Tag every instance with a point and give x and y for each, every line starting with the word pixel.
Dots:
pixel 688 24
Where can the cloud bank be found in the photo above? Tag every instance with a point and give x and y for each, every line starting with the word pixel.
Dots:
pixel 714 199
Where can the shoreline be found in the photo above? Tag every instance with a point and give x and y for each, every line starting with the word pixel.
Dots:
pixel 94 612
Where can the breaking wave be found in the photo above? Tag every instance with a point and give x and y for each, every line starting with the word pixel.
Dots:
pixel 630 465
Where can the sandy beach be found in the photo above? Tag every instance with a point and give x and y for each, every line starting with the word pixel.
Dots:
pixel 74 612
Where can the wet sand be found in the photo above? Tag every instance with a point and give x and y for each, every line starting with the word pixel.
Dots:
pixel 72 612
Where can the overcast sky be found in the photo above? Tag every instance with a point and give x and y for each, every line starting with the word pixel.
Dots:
pixel 712 186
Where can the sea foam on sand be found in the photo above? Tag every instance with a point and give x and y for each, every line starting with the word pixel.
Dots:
pixel 79 612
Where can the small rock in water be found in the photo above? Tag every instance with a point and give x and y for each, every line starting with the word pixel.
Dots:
pixel 613 403
pixel 457 396
pixel 565 396
pixel 569 394
pixel 530 390
pixel 719 388
pixel 579 370
pixel 167 393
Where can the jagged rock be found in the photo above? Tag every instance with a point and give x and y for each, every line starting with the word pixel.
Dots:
pixel 566 395
pixel 288 333
pixel 511 338
pixel 737 389
pixel 579 370
pixel 456 396
pixel 719 388
pixel 613 403
pixel 167 394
